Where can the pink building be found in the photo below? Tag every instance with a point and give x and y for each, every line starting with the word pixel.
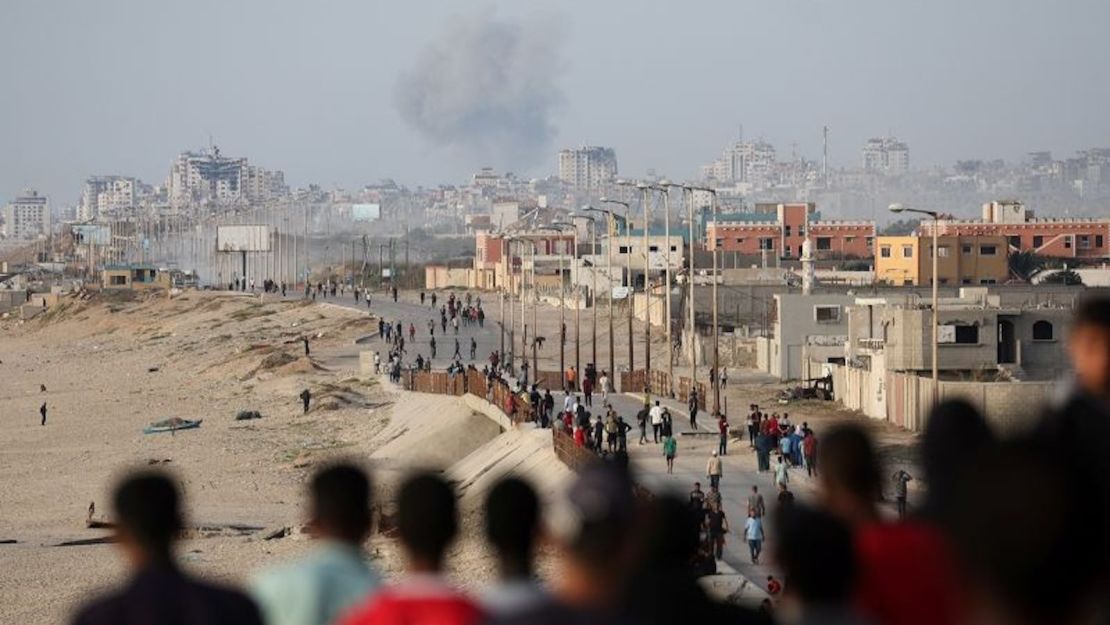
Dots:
pixel 1064 238
pixel 783 228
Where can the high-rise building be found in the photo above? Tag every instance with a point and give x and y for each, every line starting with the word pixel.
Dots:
pixel 209 177
pixel 886 155
pixel 748 162
pixel 27 217
pixel 588 168
pixel 108 195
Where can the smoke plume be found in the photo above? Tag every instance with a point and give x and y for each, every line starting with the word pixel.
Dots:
pixel 487 88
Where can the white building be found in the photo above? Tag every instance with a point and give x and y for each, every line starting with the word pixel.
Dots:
pixel 108 195
pixel 204 177
pixel 750 162
pixel 27 217
pixel 886 155
pixel 588 168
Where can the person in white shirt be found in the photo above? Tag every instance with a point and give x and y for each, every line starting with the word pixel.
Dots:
pixel 603 382
pixel 656 415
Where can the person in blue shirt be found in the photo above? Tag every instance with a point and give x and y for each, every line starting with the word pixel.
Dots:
pixel 321 588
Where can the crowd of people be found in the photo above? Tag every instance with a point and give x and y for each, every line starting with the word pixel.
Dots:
pixel 617 557
pixel 1010 529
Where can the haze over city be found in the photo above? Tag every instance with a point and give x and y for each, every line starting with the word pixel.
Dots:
pixel 554 312
pixel 331 95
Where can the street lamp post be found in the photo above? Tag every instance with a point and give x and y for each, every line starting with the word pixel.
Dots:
pixel 664 187
pixel 716 374
pixel 899 208
pixel 593 278
pixel 628 266
pixel 610 227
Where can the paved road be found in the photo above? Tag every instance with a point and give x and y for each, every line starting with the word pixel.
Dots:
pixel 693 448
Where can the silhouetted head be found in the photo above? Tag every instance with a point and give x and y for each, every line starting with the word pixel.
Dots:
pixel 1089 345
pixel 148 516
pixel 427 519
pixel 956 434
pixel 512 524
pixel 341 501
pixel 814 549
pixel 850 474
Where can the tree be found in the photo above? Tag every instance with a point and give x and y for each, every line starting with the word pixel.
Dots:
pixel 1026 264
pixel 901 227
pixel 1066 277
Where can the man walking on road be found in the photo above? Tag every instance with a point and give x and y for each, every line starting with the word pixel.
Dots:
pixel 473 348
pixel 693 405
pixel 755 503
pixel 642 419
pixel 722 428
pixel 713 470
pixel 901 478
pixel 432 345
pixel 656 415
pixel 753 531
pixel 306 397
pixel 458 355
pixel 42 411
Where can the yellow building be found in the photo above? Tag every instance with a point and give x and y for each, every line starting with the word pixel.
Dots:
pixel 961 260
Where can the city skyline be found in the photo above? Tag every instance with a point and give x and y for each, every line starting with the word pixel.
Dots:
pixel 322 106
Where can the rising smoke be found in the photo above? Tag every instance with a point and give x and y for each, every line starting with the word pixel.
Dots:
pixel 487 88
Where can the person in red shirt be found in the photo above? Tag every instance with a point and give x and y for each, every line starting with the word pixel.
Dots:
pixel 905 574
pixel 579 437
pixel 427 520
pixel 774 586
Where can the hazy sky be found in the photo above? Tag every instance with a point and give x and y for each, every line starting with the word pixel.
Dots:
pixel 346 92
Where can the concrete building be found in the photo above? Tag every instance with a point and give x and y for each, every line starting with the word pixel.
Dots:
pixel 966 260
pixel 744 162
pixel 588 168
pixel 1057 237
pixel 209 177
pixel 886 155
pixel 779 230
pixel 805 328
pixel 103 196
pixel 134 277
pixel 27 217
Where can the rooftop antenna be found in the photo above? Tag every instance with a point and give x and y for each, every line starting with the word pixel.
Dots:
pixel 825 155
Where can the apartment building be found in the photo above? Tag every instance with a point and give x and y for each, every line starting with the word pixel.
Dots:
pixel 27 217
pixel 964 260
pixel 588 168
pixel 1057 237
pixel 781 229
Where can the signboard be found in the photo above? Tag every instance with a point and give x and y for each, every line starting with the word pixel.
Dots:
pixel 243 238
pixel 96 234
pixel 620 292
pixel 387 273
pixel 366 212
pixel 946 334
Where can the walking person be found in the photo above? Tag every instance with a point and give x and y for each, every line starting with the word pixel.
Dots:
pixel 457 355
pixel 756 506
pixel 306 397
pixel 42 412
pixel 642 420
pixel 432 346
pixel 693 406
pixel 603 386
pixel 782 477
pixel 722 435
pixel 670 450
pixel 656 415
pixel 713 470
pixel 473 348
pixel 809 451
pixel 513 526
pixel 901 478
pixel 753 532
pixel 716 526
